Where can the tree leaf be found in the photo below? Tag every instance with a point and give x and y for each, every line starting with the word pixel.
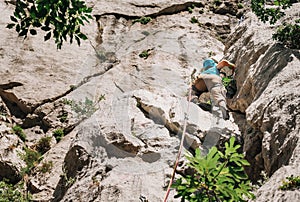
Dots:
pixel 82 36
pixel 13 19
pixel 47 36
pixel 33 32
pixel 23 32
pixel 78 40
pixel 18 28
pixel 9 26
pixel 46 28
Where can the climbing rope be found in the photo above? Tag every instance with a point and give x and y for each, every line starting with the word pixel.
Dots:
pixel 182 139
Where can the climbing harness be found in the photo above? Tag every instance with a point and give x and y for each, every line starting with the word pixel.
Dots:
pixel 182 139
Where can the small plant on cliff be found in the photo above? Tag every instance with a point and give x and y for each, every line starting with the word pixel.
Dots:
pixel 19 132
pixel 240 5
pixel 194 20
pixel 31 158
pixel 143 20
pixel 144 54
pixel 291 183
pixel 86 108
pixel 219 176
pixel 46 167
pixel 43 145
pixel 58 134
pixel 9 192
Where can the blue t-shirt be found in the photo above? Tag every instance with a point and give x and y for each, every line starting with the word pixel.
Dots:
pixel 212 70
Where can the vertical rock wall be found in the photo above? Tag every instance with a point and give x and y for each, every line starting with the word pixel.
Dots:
pixel 268 80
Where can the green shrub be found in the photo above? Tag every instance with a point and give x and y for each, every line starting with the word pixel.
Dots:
pixel 43 145
pixel 143 20
pixel 19 132
pixel 226 81
pixel 291 183
pixel 190 10
pixel 144 54
pixel 63 118
pixel 58 134
pixel 287 33
pixel 46 167
pixel 86 108
pixel 59 19
pixel 240 6
pixel 194 20
pixel 9 192
pixel 31 158
pixel 67 101
pixel 219 176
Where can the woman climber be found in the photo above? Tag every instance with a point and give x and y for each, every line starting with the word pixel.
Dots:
pixel 210 80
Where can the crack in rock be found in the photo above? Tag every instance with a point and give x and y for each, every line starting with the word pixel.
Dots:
pixel 173 9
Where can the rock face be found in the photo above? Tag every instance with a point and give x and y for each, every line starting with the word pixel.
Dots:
pixel 120 100
pixel 268 77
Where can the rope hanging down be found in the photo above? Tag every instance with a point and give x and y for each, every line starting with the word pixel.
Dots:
pixel 182 139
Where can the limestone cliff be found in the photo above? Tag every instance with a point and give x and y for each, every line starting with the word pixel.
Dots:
pixel 120 100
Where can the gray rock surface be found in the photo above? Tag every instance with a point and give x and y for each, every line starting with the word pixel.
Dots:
pixel 268 79
pixel 122 115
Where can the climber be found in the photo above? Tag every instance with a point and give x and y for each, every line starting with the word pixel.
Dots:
pixel 210 80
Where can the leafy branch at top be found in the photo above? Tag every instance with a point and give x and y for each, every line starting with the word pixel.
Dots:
pixel 58 18
pixel 287 33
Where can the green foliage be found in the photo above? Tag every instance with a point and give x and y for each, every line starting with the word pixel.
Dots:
pixel 68 181
pixel 230 85
pixel 58 134
pixel 19 132
pixel 288 34
pixel 86 108
pixel 291 183
pixel 143 20
pixel 144 54
pixel 194 20
pixel 46 167
pixel 240 5
pixel 190 10
pixel 43 145
pixel 9 193
pixel 226 81
pixel 58 18
pixel 271 14
pixel 67 101
pixel 219 176
pixel 31 158
pixel 63 117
